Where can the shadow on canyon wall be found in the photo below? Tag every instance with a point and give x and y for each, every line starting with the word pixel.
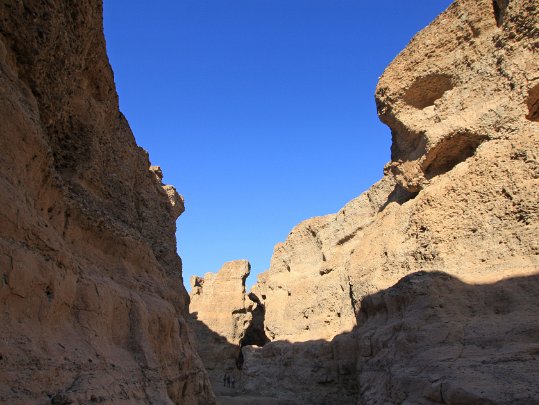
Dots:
pixel 430 338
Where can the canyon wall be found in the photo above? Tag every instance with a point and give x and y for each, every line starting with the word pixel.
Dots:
pixel 460 193
pixel 92 303
pixel 423 289
pixel 460 196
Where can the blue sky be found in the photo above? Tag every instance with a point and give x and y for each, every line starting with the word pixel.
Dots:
pixel 260 112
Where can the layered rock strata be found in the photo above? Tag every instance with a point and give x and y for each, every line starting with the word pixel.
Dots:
pixel 455 218
pixel 91 297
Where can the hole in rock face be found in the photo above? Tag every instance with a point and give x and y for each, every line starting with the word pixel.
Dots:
pixel 407 145
pixel 450 152
pixel 399 195
pixel 533 104
pixel 499 10
pixel 426 90
pixel 255 333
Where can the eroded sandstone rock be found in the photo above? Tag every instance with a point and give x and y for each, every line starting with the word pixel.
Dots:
pixel 459 197
pixel 222 293
pixel 461 191
pixel 224 319
pixel 433 339
pixel 92 304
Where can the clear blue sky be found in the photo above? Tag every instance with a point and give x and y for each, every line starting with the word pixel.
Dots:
pixel 260 112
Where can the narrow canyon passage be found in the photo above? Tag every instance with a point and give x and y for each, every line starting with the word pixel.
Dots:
pixel 421 290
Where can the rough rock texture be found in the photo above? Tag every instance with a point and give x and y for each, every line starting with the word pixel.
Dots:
pixel 433 339
pixel 457 102
pixel 460 196
pixel 223 292
pixel 311 372
pixel 465 162
pixel 92 306
pixel 307 291
pixel 224 319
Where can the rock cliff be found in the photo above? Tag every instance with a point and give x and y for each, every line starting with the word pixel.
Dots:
pixel 461 186
pixel 422 289
pixel 91 298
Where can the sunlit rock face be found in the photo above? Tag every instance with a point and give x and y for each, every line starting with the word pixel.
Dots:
pixel 92 304
pixel 472 82
pixel 307 290
pixel 460 196
pixel 217 295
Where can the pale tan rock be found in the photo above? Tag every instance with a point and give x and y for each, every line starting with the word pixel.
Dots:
pixel 465 165
pixel 177 203
pixel 222 318
pixel 219 300
pixel 156 170
pixel 92 306
pixel 460 196
pixel 306 291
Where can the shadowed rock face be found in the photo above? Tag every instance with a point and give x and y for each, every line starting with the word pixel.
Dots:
pixel 429 339
pixel 460 195
pixel 433 339
pixel 92 305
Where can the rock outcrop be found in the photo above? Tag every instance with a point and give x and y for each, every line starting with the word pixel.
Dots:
pixel 455 219
pixel 308 292
pixel 224 320
pixel 461 186
pixel 91 298
pixel 223 292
